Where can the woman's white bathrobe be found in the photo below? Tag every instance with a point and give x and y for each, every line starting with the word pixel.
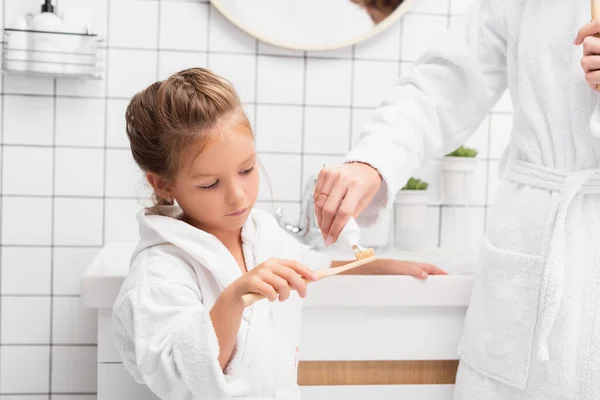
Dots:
pixel 161 319
pixel 533 328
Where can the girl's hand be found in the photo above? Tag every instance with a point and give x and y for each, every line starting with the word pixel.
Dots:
pixel 273 278
pixel 418 270
pixel 590 62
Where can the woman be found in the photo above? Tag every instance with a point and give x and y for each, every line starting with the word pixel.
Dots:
pixel 533 328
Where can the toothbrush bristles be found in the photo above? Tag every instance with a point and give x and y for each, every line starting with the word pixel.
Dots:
pixel 365 253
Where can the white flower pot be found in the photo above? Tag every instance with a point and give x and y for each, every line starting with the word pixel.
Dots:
pixel 411 209
pixel 411 220
pixel 458 176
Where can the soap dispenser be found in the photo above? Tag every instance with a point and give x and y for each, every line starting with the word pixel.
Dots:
pixel 46 54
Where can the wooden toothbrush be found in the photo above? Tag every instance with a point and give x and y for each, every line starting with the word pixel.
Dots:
pixel 252 298
pixel 348 237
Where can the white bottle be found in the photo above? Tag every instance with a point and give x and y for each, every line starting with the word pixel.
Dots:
pixel 79 58
pixel 17 46
pixel 46 55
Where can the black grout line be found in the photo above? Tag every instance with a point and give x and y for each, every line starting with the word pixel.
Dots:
pixel 303 122
pixel 52 223
pixel 1 188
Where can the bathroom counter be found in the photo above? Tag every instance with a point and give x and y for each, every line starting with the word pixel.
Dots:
pixel 383 336
pixel 102 280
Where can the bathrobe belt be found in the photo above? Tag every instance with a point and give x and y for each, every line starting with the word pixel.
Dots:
pixel 568 185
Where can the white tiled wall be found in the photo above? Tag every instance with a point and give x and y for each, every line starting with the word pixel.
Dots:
pixel 69 185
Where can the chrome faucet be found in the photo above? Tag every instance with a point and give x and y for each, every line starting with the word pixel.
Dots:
pixel 307 230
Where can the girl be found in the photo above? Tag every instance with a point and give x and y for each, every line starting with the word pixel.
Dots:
pixel 179 320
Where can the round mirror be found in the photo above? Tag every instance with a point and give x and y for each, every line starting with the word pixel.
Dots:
pixel 312 24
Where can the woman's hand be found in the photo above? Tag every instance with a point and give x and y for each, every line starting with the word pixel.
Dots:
pixel 273 278
pixel 590 62
pixel 342 192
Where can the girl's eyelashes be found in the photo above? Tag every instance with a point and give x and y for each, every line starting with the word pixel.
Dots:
pixel 214 185
pixel 247 171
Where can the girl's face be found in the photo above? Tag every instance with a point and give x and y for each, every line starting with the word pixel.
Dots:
pixel 218 188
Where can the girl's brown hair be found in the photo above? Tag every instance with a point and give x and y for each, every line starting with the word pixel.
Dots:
pixel 164 120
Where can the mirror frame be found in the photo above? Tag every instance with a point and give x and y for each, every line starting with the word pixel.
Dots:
pixel 385 24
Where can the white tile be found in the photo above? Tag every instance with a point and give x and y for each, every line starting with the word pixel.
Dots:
pixel 78 222
pixel 406 68
pixel 99 8
pixel 80 122
pixel 28 120
pixel 171 62
pixel 291 211
pixel 360 117
pixel 280 80
pixel 124 32
pixel 278 128
pixel 25 320
pixel 69 264
pixel 226 37
pixel 343 52
pixel 72 323
pixel 460 6
pixel 27 170
pixel 26 220
pixel 32 260
pixel 14 8
pixel 431 6
pixel 239 69
pixel 384 46
pixel 74 369
pixel 24 369
pixel 373 80
pixel 116 136
pixel 504 104
pixel 480 139
pixel 462 228
pixel 419 32
pixel 70 397
pixel 269 49
pixel 123 177
pixel 454 21
pixel 28 84
pixel 121 223
pixel 25 397
pixel 327 130
pixel 313 164
pixel 183 25
pixel 500 132
pixel 279 184
pixel 130 71
pixel 493 181
pixel 84 87
pixel 79 172
pixel 328 82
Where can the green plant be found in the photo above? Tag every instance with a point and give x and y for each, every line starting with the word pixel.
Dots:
pixel 415 184
pixel 463 152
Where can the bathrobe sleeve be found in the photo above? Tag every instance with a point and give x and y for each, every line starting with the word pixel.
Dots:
pixel 167 340
pixel 439 104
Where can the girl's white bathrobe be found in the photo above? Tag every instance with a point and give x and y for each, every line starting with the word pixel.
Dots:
pixel 161 318
pixel 533 328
